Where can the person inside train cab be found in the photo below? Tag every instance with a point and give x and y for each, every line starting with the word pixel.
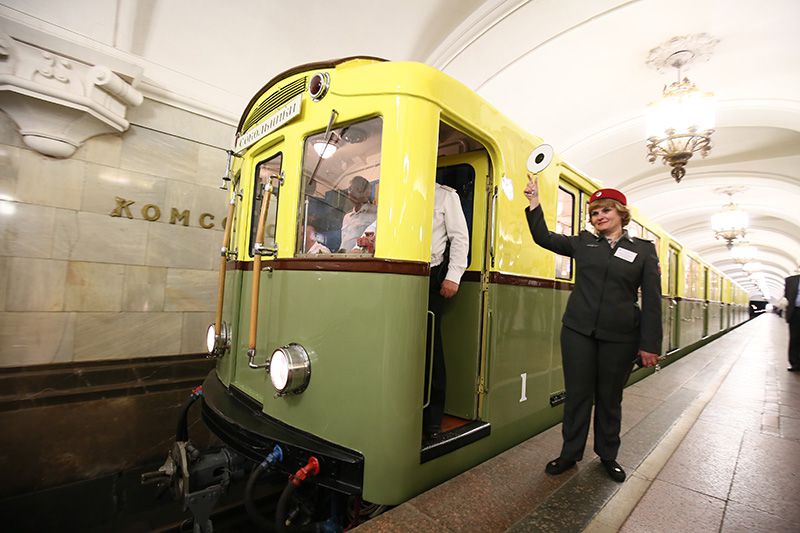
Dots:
pixel 449 251
pixel 603 329
pixel 362 215
pixel 365 244
pixel 313 244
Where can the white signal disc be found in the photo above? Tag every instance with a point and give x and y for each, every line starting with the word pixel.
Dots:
pixel 540 158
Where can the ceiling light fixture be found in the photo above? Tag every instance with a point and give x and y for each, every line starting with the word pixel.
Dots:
pixel 752 268
pixel 326 149
pixel 743 252
pixel 731 223
pixel 682 121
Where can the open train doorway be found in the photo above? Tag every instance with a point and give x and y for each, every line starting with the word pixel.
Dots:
pixel 463 165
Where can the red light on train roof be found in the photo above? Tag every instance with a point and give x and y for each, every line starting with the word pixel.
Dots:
pixel 318 85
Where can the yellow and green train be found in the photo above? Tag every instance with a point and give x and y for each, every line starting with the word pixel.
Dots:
pixel 322 347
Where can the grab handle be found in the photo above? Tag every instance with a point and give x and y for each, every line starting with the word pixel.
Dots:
pixel 430 365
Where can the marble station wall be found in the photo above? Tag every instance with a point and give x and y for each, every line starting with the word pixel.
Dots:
pixel 78 284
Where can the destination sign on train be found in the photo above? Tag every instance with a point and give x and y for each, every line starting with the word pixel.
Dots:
pixel 269 124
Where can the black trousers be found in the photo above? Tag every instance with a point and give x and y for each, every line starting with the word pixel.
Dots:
pixel 432 415
pixel 794 339
pixel 594 370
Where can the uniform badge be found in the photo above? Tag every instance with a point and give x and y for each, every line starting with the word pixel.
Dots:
pixel 625 254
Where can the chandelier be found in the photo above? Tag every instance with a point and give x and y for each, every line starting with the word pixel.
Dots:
pixel 752 268
pixel 731 223
pixel 743 252
pixel 680 124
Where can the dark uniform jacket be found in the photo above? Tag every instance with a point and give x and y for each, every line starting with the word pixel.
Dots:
pixel 790 293
pixel 604 301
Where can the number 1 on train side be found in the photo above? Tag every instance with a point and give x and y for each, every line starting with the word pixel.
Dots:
pixel 524 378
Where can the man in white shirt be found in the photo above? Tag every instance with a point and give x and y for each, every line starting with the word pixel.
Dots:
pixel 447 267
pixel 362 215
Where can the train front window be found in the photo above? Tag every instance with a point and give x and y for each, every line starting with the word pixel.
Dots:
pixel 267 173
pixel 338 211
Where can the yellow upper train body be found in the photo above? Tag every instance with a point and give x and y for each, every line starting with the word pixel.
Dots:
pixel 360 316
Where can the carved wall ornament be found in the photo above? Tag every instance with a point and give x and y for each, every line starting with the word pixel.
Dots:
pixel 53 67
pixel 57 98
pixel 682 51
pixel 5 45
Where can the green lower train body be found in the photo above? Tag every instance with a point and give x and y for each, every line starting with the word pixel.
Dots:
pixel 366 337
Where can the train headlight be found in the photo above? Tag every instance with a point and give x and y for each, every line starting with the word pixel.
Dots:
pixel 290 369
pixel 318 85
pixel 218 342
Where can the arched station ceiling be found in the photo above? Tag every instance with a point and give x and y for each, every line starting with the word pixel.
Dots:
pixel 573 72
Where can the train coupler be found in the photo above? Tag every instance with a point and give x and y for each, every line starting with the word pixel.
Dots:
pixel 196 479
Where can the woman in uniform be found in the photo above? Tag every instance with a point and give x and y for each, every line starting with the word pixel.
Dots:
pixel 603 330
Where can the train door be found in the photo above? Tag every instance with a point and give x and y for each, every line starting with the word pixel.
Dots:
pixel 466 174
pixel 463 165
pixel 673 318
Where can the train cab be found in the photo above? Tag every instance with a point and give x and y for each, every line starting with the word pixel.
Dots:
pixel 324 299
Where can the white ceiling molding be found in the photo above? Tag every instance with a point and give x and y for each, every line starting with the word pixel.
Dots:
pixel 154 81
pixel 769 113
pixel 57 97
pixel 778 264
pixel 508 39
pixel 684 218
pixel 482 20
pixel 658 183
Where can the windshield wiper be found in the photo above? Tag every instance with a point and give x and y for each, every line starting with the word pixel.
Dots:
pixel 328 135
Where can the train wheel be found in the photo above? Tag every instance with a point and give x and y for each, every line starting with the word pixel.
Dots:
pixel 302 508
pixel 359 510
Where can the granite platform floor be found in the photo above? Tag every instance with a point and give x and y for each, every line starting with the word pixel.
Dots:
pixel 711 443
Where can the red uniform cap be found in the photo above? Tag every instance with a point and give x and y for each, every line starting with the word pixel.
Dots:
pixel 611 194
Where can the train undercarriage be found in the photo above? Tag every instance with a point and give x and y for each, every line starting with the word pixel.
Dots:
pixel 322 489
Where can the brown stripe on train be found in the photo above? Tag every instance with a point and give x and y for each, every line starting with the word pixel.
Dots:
pixel 525 281
pixel 388 266
pixel 382 266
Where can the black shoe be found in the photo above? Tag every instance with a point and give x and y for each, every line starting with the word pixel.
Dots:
pixel 558 466
pixel 615 471
pixel 793 368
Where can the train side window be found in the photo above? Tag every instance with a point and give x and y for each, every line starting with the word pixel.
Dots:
pixel 586 219
pixel 266 171
pixel 339 203
pixel 565 224
pixel 650 236
pixel 672 282
pixel 714 286
pixel 692 278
